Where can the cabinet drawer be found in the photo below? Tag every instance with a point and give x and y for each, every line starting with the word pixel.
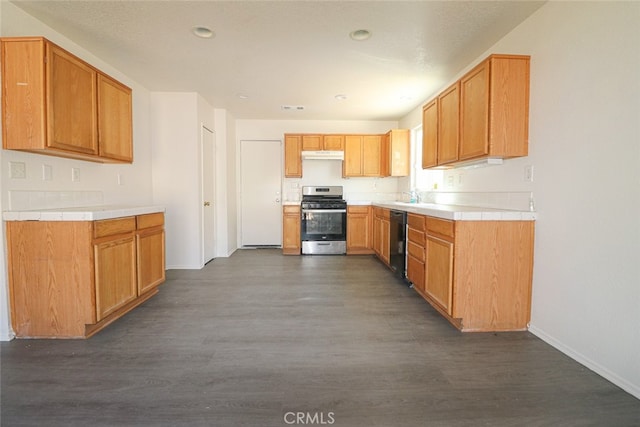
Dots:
pixel 440 226
pixel 291 209
pixel 150 220
pixel 358 209
pixel 416 251
pixel 415 236
pixel 416 221
pixel 109 227
pixel 382 213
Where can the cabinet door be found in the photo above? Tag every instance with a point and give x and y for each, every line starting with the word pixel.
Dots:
pixel 448 129
pixel 291 230
pixel 358 230
pixel 399 152
pixel 292 156
pixel 474 113
pixel 115 274
pixel 311 142
pixel 352 164
pixel 372 155
pixel 333 142
pixel 115 139
pixel 385 235
pixel 415 272
pixel 430 135
pixel 151 259
pixel 439 271
pixel 71 101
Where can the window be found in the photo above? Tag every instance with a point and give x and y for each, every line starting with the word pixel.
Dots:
pixel 421 179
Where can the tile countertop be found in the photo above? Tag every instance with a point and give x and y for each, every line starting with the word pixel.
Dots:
pixel 89 213
pixel 457 213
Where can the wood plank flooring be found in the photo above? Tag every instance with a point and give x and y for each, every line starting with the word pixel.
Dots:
pixel 253 339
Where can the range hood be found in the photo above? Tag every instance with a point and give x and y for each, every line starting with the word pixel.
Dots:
pixel 323 155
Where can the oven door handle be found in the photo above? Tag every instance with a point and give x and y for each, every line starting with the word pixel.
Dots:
pixel 323 211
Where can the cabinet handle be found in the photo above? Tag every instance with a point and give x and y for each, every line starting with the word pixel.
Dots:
pixel 207 203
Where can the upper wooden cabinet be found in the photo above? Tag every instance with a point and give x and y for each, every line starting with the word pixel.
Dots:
pixel 292 159
pixel 115 139
pixel 448 124
pixel 484 114
pixel 312 142
pixel 333 142
pixel 430 135
pixel 362 156
pixel 54 103
pixel 494 108
pixel 396 157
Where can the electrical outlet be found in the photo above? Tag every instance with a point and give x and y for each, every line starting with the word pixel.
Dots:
pixel 450 181
pixel 120 180
pixel 17 170
pixel 528 173
pixel 47 172
pixel 75 174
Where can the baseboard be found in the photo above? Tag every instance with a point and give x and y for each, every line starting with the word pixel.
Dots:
pixel 633 389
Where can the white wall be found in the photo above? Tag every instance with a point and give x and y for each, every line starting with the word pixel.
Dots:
pixel 585 149
pixel 176 120
pixel 94 177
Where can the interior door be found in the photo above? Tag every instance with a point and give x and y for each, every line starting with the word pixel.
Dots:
pixel 260 193
pixel 208 195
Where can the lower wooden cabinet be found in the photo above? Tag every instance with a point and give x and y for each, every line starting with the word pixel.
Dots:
pixel 477 274
pixel 70 279
pixel 381 233
pixel 291 230
pixel 359 223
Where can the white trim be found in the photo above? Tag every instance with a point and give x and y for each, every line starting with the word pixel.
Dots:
pixel 583 360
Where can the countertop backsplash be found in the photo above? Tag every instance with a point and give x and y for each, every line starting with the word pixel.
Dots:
pixel 516 200
pixel 21 200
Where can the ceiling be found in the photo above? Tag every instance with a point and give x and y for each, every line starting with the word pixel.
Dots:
pixel 266 54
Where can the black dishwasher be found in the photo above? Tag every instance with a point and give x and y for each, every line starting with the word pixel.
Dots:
pixel 397 243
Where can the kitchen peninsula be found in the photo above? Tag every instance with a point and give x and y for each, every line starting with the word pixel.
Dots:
pixel 74 271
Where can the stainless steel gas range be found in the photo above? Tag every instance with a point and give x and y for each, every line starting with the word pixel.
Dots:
pixel 324 221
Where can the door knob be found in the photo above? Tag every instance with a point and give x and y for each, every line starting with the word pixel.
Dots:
pixel 207 203
pixel 277 200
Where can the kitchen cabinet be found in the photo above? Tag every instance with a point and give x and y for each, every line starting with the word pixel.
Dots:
pixel 448 124
pixel 333 142
pixel 292 156
pixel 416 250
pixel 439 262
pixel 359 229
pixel 484 114
pixel 381 233
pixel 430 134
pixel 322 142
pixel 494 108
pixel 70 279
pixel 477 274
pixel 396 157
pixel 56 104
pixel 150 255
pixel 362 156
pixel 291 223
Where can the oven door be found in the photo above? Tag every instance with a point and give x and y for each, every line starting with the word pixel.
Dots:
pixel 326 225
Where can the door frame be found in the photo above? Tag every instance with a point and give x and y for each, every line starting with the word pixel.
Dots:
pixel 203 255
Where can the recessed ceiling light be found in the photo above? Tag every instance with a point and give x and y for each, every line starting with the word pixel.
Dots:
pixel 203 32
pixel 360 35
pixel 243 96
pixel 341 97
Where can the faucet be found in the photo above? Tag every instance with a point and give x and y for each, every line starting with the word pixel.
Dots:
pixel 414 196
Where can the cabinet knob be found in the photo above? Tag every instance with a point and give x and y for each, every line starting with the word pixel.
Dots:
pixel 207 203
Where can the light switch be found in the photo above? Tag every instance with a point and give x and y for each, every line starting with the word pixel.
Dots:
pixel 75 174
pixel 47 172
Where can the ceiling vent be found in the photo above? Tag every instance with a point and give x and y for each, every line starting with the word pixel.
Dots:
pixel 292 107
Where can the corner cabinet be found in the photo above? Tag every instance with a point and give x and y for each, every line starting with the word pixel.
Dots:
pixel 70 279
pixel 291 222
pixel 477 274
pixel 56 104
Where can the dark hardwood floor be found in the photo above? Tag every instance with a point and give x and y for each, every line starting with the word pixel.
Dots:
pixel 255 339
